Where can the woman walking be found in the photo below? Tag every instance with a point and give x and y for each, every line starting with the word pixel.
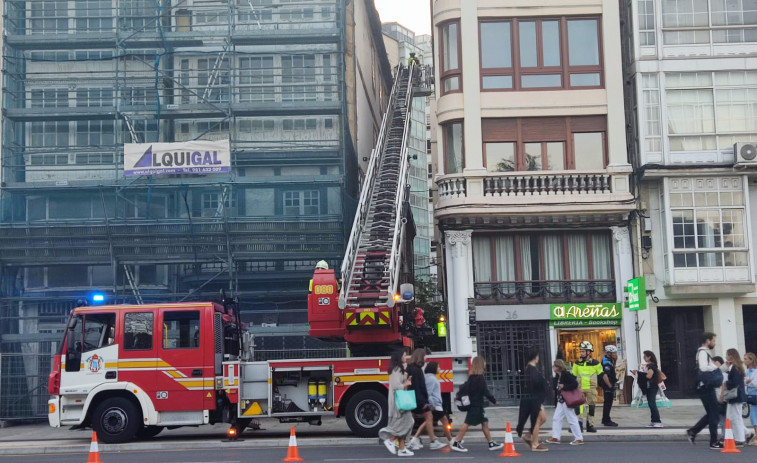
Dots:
pixel 415 371
pixel 735 381
pixel 435 400
pixel 650 385
pixel 534 393
pixel 751 390
pixel 400 423
pixel 476 390
pixel 564 381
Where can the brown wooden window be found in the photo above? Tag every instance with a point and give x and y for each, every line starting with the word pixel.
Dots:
pixel 545 143
pixel 451 58
pixel 524 54
pixel 454 159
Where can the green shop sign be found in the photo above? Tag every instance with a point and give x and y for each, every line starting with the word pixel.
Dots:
pixel 585 314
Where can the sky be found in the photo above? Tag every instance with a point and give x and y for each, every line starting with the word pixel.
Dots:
pixel 413 14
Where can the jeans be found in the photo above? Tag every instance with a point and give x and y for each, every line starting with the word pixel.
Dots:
pixel 609 396
pixel 652 402
pixel 712 408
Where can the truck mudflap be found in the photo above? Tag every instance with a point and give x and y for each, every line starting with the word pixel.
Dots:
pixel 53 412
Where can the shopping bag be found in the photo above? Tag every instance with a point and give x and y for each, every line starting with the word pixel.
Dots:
pixel 574 398
pixel 404 400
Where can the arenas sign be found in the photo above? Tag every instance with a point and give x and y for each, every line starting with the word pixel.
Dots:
pixel 190 157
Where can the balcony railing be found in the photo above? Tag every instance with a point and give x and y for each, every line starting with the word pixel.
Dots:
pixel 528 184
pixel 541 291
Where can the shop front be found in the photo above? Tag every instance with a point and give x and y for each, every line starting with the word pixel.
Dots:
pixel 574 323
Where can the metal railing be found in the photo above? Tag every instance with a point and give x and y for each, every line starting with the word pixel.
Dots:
pixel 23 386
pixel 533 291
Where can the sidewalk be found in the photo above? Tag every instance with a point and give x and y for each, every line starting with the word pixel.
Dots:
pixel 40 438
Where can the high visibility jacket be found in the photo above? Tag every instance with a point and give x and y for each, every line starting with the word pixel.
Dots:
pixel 587 372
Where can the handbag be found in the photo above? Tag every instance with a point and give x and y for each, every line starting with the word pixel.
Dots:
pixel 751 399
pixel 730 394
pixel 405 400
pixel 463 403
pixel 573 398
pixel 661 376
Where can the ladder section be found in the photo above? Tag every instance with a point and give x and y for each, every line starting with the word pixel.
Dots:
pixel 373 268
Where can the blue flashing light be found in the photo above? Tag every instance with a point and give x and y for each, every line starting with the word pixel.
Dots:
pixel 407 295
pixel 98 298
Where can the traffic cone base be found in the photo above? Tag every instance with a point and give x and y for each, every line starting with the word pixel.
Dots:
pixel 292 453
pixel 509 450
pixel 94 450
pixel 729 445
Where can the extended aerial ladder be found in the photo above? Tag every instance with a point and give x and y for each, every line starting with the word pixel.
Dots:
pixel 366 313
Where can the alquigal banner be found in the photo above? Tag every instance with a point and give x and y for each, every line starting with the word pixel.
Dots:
pixel 189 157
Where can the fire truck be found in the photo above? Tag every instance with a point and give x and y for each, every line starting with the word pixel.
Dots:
pixel 132 370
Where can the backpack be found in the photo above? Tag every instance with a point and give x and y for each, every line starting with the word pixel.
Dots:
pixel 709 379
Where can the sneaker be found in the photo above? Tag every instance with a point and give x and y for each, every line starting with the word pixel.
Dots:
pixel 690 436
pixel 495 445
pixel 552 440
pixel 457 446
pixel 577 442
pixel 436 445
pixel 716 446
pixel 405 453
pixel 390 446
pixel 657 425
pixel 650 425
pixel 591 428
pixel 740 444
pixel 611 424
pixel 415 444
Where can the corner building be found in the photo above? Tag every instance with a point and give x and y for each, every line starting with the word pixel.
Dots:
pixel 533 179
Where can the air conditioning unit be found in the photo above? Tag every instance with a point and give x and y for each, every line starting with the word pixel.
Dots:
pixel 745 154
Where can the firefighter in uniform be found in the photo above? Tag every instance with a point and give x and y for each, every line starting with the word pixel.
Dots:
pixel 322 265
pixel 586 369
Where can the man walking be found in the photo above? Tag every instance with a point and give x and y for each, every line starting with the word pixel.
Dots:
pixel 707 373
pixel 608 380
pixel 586 369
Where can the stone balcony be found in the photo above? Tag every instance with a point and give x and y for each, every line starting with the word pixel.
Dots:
pixel 591 195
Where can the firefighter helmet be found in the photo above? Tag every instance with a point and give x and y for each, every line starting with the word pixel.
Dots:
pixel 323 265
pixel 586 345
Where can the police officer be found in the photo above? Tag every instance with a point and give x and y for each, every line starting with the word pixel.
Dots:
pixel 586 369
pixel 608 379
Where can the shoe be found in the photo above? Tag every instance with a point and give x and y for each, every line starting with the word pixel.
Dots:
pixel 577 442
pixel 527 439
pixel 405 453
pixel 539 448
pixel 716 446
pixel 690 436
pixel 750 438
pixel 591 428
pixel 436 445
pixel 457 446
pixel 552 440
pixel 657 425
pixel 650 425
pixel 495 445
pixel 740 444
pixel 390 446
pixel 415 444
pixel 610 424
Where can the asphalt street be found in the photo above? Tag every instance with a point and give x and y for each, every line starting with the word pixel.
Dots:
pixel 600 451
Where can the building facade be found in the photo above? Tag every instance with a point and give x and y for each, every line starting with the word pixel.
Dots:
pixel 692 100
pixel 533 180
pixel 298 88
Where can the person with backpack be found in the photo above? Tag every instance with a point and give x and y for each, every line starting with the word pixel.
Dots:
pixel 475 389
pixel 608 379
pixel 534 393
pixel 401 422
pixel 735 384
pixel 564 381
pixel 435 400
pixel 415 371
pixel 649 383
pixel 709 377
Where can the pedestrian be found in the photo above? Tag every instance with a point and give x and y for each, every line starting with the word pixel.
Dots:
pixel 435 400
pixel 476 390
pixel 564 381
pixel 586 369
pixel 706 389
pixel 415 371
pixel 722 406
pixel 649 382
pixel 751 390
pixel 735 384
pixel 608 380
pixel 401 422
pixel 533 395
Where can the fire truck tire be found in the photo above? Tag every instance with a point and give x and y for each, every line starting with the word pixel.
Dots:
pixel 148 432
pixel 116 420
pixel 367 413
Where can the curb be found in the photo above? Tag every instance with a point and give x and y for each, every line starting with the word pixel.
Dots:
pixel 47 448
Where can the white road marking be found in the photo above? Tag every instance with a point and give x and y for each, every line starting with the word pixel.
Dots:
pixel 414 459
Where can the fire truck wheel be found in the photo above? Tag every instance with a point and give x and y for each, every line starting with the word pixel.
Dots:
pixel 116 420
pixel 367 413
pixel 148 432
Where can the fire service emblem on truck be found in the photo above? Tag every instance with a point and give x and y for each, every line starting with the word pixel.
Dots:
pixel 95 363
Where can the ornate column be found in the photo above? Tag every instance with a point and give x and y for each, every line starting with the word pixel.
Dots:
pixel 459 258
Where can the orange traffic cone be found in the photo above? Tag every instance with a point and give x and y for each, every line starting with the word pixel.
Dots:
pixel 509 450
pixel 729 444
pixel 292 453
pixel 94 451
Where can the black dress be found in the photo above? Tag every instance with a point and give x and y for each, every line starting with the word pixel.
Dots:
pixel 534 392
